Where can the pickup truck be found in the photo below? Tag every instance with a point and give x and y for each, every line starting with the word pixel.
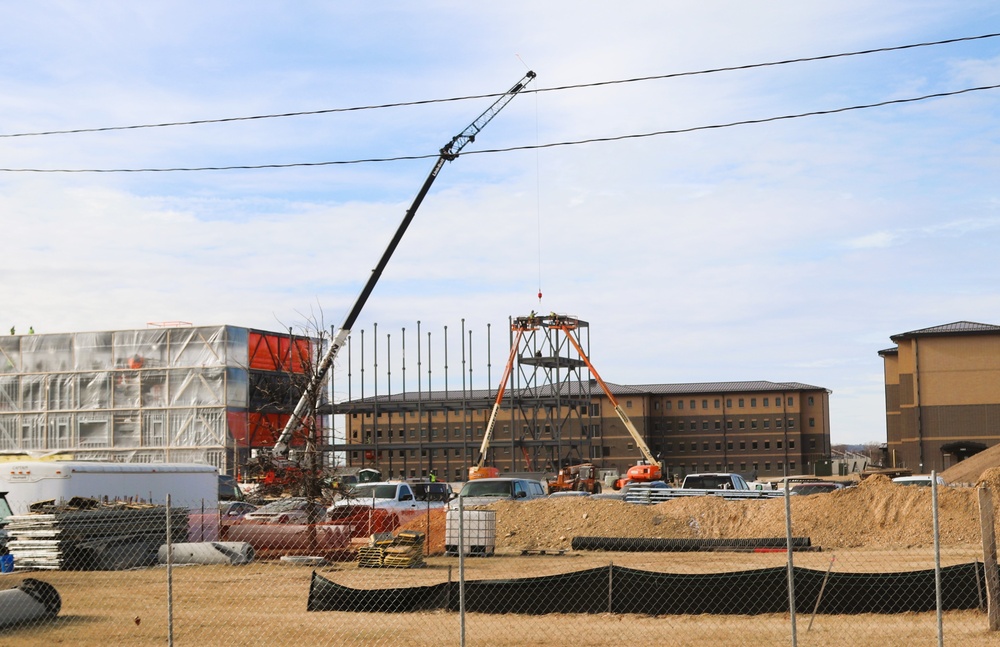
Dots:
pixel 722 484
pixel 395 497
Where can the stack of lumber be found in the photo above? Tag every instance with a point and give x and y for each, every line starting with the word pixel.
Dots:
pixel 405 550
pixel 102 537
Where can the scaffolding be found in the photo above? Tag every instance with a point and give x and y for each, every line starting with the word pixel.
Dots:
pixel 548 416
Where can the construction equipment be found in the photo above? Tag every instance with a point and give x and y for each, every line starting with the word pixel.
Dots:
pixel 581 478
pixel 647 469
pixel 449 152
pixel 479 470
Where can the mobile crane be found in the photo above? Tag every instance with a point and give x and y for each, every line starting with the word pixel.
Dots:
pixel 647 469
pixel 448 153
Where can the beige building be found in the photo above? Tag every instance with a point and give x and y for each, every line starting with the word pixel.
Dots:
pixel 767 428
pixel 942 394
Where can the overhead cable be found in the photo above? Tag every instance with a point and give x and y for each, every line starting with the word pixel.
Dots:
pixel 595 84
pixel 675 131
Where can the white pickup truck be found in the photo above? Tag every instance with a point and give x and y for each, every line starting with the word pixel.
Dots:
pixel 397 496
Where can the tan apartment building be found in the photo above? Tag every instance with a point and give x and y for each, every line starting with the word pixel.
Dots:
pixel 942 394
pixel 765 428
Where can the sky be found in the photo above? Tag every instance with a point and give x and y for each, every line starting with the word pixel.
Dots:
pixel 789 250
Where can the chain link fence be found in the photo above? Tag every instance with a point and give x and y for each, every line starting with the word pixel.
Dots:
pixel 876 564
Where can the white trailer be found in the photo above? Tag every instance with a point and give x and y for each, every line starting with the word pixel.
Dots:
pixel 195 487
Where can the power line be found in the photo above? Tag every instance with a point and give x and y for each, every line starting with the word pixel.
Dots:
pixel 595 84
pixel 677 131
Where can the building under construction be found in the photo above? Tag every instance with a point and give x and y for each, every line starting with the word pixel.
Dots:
pixel 169 393
pixel 554 409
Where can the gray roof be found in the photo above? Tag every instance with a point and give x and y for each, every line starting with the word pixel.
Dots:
pixel 593 389
pixel 956 328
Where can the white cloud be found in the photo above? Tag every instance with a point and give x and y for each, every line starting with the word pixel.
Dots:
pixel 785 251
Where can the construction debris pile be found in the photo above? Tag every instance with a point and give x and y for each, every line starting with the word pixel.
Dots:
pixel 88 535
pixel 405 550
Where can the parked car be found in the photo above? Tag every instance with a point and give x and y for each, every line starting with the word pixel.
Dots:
pixel 922 480
pixel 490 490
pixel 813 487
pixel 432 491
pixel 289 510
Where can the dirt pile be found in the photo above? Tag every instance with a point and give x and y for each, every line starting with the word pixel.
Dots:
pixel 875 514
pixel 970 470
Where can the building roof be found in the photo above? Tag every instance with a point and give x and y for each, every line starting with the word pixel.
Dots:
pixel 956 328
pixel 889 351
pixel 583 389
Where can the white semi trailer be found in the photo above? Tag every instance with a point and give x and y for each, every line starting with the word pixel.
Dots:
pixel 195 487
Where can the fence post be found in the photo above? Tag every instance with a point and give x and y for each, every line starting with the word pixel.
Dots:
pixel 989 558
pixel 937 558
pixel 791 564
pixel 461 572
pixel 170 581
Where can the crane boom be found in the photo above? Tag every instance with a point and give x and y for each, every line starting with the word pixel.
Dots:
pixel 449 152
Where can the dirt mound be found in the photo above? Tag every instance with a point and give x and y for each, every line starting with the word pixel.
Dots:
pixel 877 514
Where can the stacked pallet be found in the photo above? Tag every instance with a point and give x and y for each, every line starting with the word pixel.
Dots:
pixel 405 550
pixel 104 537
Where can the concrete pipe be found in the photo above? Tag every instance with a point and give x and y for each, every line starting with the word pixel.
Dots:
pixel 29 601
pixel 209 552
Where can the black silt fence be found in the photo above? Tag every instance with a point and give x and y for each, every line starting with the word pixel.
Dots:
pixel 616 589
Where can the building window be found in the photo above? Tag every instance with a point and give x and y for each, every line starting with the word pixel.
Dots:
pixel 656 405
pixel 704 446
pixel 718 424
pixel 767 444
pixel 741 402
pixel 753 402
pixel 693 426
pixel 810 400
pixel 781 466
pixel 767 466
pixel 753 444
pixel 791 444
pixel 680 447
pixel 717 403
pixel 791 401
pixel 753 424
pixel 729 445
pixel 812 422
pixel 777 423
pixel 704 425
pixel 743 424
pixel 743 445
pixel 766 401
pixel 791 465
pixel 704 404
pixel 812 443
pixel 729 403
pixel 706 467
pixel 767 424
pixel 628 404
pixel 777 445
pixel 729 424
pixel 791 423
pixel 668 404
pixel 743 467
pixel 756 466
pixel 670 447
pixel 777 402
pixel 718 445
pixel 680 404
pixel 693 404
pixel 402 453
